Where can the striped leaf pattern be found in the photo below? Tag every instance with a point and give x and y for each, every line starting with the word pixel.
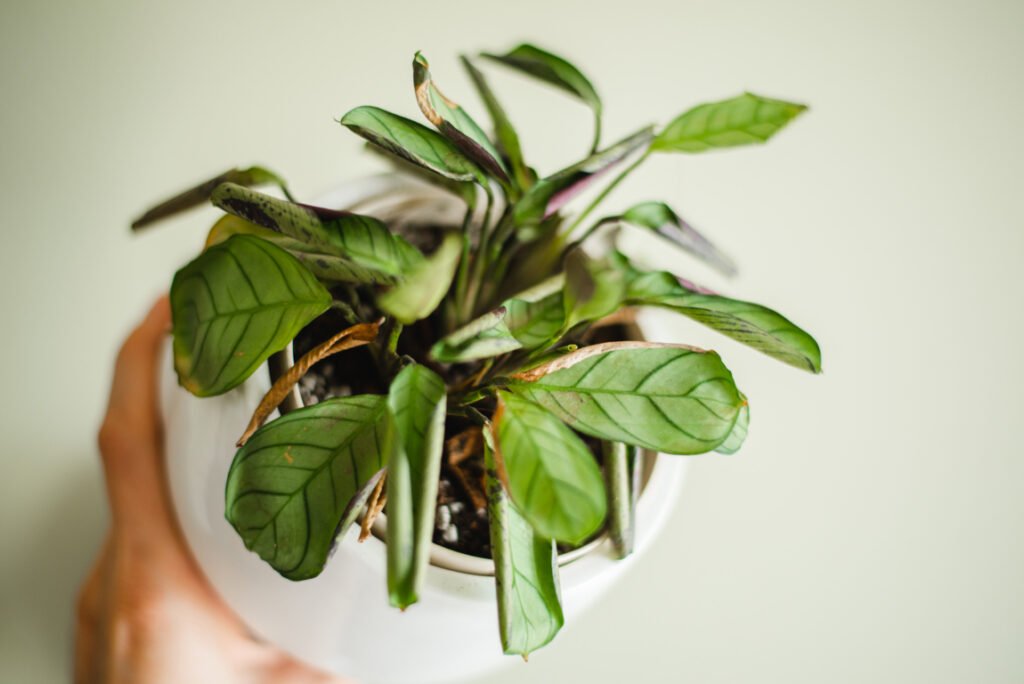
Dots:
pixel 290 486
pixel 413 142
pixel 375 253
pixel 326 267
pixel 668 398
pixel 525 569
pixel 743 120
pixel 453 121
pixel 552 475
pixel 751 324
pixel 417 402
pixel 233 306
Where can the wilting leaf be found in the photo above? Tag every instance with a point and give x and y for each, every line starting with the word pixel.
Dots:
pixel 360 239
pixel 751 324
pixel 233 306
pixel 739 431
pixel 621 462
pixel 482 338
pixel 525 569
pixel 668 398
pixel 326 267
pixel 558 72
pixel 193 197
pixel 290 486
pixel 425 285
pixel 552 475
pixel 453 121
pixel 413 142
pixel 592 289
pixel 742 120
pixel 659 218
pixel 550 194
pixel 505 133
pixel 349 338
pixel 417 402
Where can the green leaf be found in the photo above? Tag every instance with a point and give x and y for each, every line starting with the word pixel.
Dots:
pixel 592 288
pixel 482 338
pixel 550 194
pixel 659 218
pixel 417 402
pixel 453 121
pixel 525 569
pixel 536 317
pixel 556 71
pixel 290 486
pixel 739 431
pixel 425 285
pixel 508 139
pixel 668 398
pixel 751 324
pixel 413 142
pixel 743 120
pixel 326 267
pixel 362 240
pixel 233 306
pixel 552 476
pixel 193 197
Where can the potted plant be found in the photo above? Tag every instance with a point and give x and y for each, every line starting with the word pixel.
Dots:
pixel 476 381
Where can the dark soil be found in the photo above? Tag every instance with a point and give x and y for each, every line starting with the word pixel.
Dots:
pixel 461 523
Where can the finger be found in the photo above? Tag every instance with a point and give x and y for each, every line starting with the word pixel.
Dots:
pixel 90 619
pixel 130 438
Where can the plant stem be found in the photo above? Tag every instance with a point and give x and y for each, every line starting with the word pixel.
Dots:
pixel 479 260
pixel 460 279
pixel 396 332
pixel 608 188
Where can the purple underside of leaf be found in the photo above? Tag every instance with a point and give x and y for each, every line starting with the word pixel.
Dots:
pixel 325 214
pixel 474 151
pixel 562 197
pixel 694 287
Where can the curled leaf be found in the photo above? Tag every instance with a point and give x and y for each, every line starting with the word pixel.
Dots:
pixel 349 338
pixel 505 133
pixel 360 239
pixel 550 194
pixel 556 71
pixel 484 337
pixel 413 142
pixel 193 197
pixel 659 218
pixel 453 121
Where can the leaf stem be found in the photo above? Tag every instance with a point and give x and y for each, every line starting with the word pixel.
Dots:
pixel 463 274
pixel 479 259
pixel 396 332
pixel 608 188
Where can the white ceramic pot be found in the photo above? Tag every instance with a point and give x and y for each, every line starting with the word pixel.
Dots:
pixel 341 620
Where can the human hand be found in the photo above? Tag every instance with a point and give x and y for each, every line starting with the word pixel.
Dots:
pixel 146 614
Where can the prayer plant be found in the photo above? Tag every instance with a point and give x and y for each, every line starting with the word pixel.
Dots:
pixel 500 342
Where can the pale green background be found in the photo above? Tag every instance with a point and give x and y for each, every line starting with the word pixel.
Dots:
pixel 871 529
